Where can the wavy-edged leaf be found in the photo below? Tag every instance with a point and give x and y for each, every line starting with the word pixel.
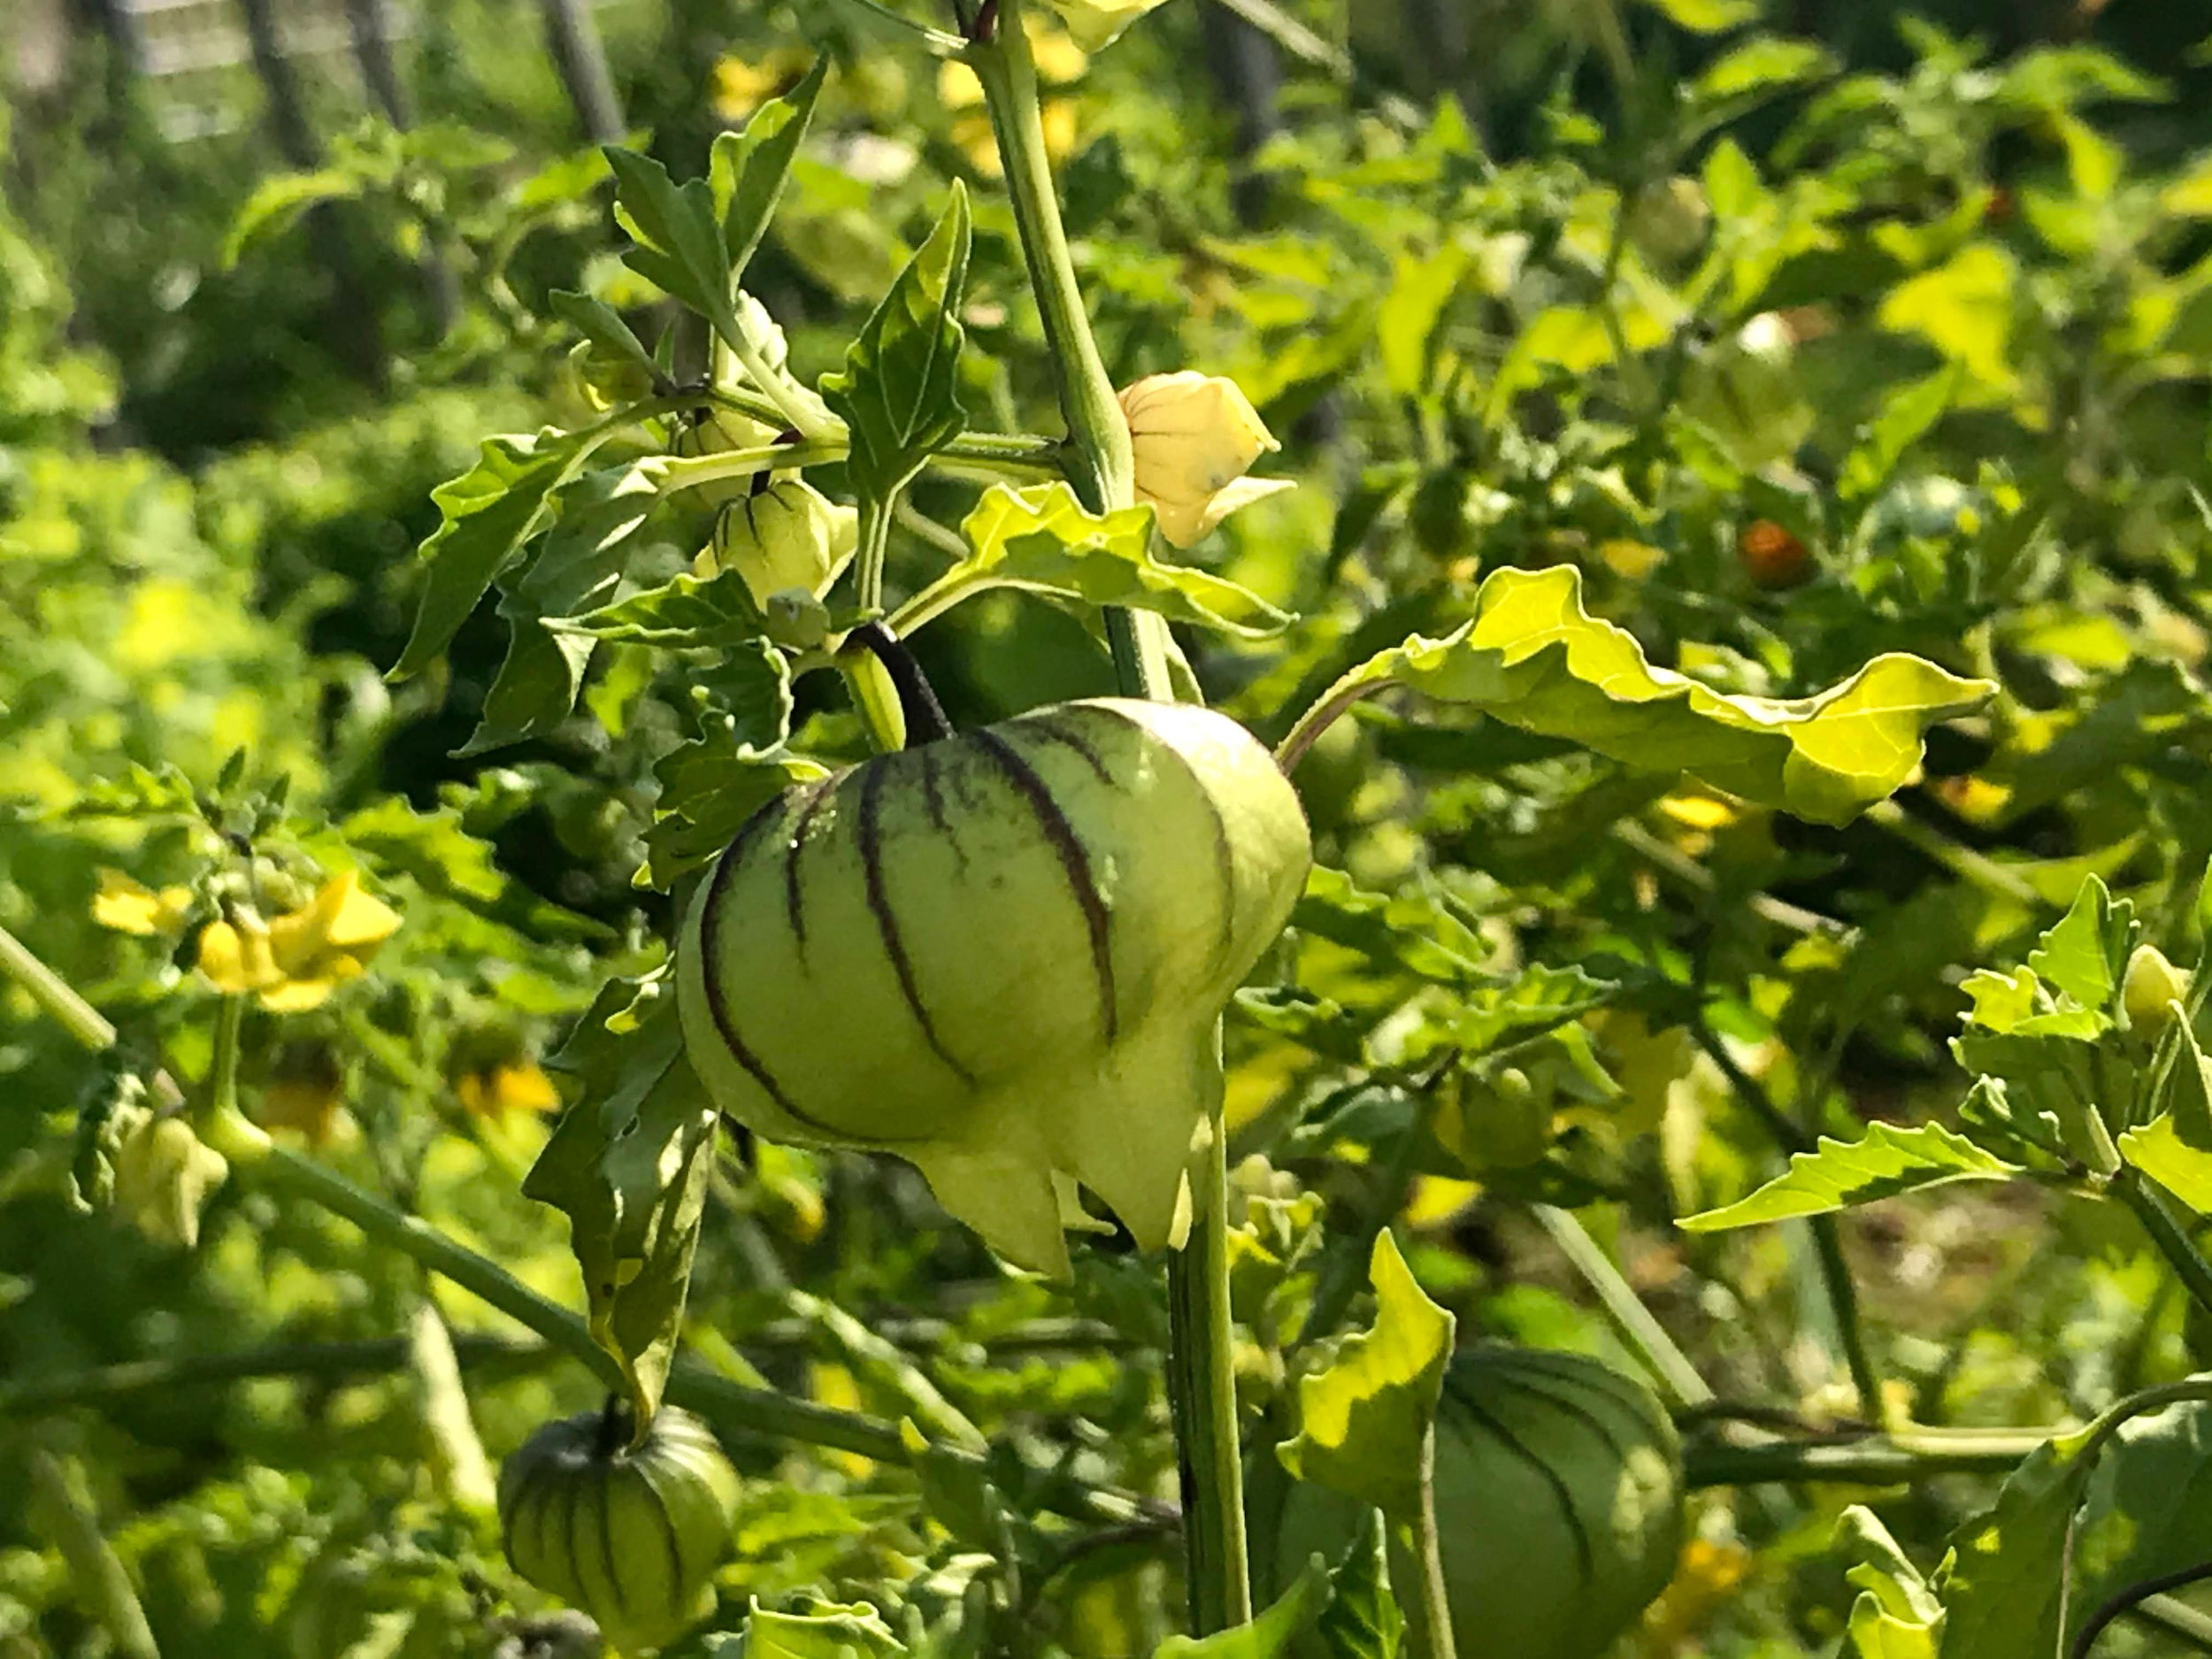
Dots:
pixel 708 788
pixel 749 168
pixel 1897 1615
pixel 1535 658
pixel 2005 1583
pixel 601 324
pixel 277 204
pixel 1043 540
pixel 628 1165
pixel 1363 1423
pixel 487 514
pixel 2084 953
pixel 899 393
pixel 829 1630
pixel 1842 1174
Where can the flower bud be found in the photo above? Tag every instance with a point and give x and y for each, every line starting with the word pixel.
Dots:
pixel 1096 23
pixel 1195 435
pixel 788 536
pixel 2152 987
pixel 164 1174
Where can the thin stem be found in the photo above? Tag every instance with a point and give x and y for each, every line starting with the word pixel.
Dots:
pixel 230 1021
pixel 875 547
pixel 2139 1194
pixel 1201 1390
pixel 1321 715
pixel 100 1580
pixel 1878 1460
pixel 1427 1548
pixel 329 1361
pixel 1962 861
pixel 1649 1338
pixel 1835 1271
pixel 1102 461
pixel 2174 1618
pixel 2128 1599
pixel 55 995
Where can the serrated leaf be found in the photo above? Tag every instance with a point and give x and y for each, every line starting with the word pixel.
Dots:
pixel 1896 1616
pixel 676 237
pixel 628 1164
pixel 1365 1422
pixel 708 790
pixel 486 515
pixel 1760 68
pixel 1043 540
pixel 2006 1579
pixel 2085 952
pixel 1268 1635
pixel 1419 932
pixel 1842 1174
pixel 580 565
pixel 1535 658
pixel 749 168
pixel 1363 1619
pixel 686 613
pixel 899 393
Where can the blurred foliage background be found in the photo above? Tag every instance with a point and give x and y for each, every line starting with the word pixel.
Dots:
pixel 1807 330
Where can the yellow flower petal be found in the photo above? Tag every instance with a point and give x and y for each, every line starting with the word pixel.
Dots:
pixel 1195 435
pixel 127 906
pixel 235 957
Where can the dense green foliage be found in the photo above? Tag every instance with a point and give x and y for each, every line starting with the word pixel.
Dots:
pixel 1690 416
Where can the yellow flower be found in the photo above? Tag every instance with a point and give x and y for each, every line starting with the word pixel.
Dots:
pixel 510 1086
pixel 740 88
pixel 296 961
pixel 129 907
pixel 1195 435
pixel 1058 61
pixel 1096 23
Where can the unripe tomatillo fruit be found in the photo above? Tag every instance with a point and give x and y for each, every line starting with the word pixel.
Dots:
pixel 788 536
pixel 1559 1504
pixel 628 1534
pixel 1000 956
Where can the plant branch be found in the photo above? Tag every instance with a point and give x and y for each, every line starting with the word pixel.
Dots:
pixel 2133 1188
pixel 54 994
pixel 2128 1599
pixel 1661 1353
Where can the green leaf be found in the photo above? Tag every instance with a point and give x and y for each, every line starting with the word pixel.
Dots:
pixel 708 788
pixel 899 394
pixel 1907 415
pixel 686 613
pixel 2175 1147
pixel 1532 657
pixel 1707 17
pixel 2006 1579
pixel 749 168
pixel 276 204
pixel 1759 68
pixel 1363 1619
pixel 487 514
pixel 1365 1422
pixel 831 1631
pixel 1896 1616
pixel 1043 540
pixel 2085 954
pixel 629 1165
pixel 2147 1510
pixel 1418 931
pixel 601 324
pixel 676 237
pixel 1268 1635
pixel 599 518
pixel 1842 1174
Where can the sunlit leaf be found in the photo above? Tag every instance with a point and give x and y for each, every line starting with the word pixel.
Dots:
pixel 1363 1619
pixel 1268 1635
pixel 1043 540
pixel 1896 1616
pixel 1364 1421
pixel 1841 1175
pixel 1533 658
pixel 749 167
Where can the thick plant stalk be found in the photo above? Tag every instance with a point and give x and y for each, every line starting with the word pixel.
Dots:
pixel 1101 467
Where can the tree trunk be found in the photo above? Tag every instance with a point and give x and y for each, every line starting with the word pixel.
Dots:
pixel 372 24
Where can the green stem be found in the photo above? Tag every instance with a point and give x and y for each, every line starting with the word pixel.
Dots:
pixel 1426 1547
pixel 1835 1272
pixel 1962 861
pixel 2172 1616
pixel 101 1581
pixel 2139 1194
pixel 1102 462
pixel 55 995
pixel 1879 1459
pixel 1649 1338
pixel 1202 1392
pixel 1101 467
pixel 329 1361
pixel 222 1092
